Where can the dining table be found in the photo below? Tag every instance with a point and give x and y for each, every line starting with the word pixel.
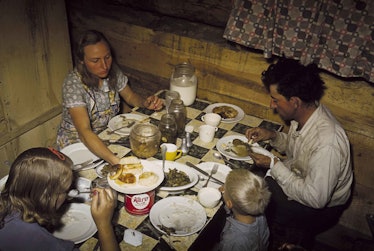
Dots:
pixel 199 152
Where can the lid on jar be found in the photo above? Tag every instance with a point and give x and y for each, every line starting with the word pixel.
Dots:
pixel 184 69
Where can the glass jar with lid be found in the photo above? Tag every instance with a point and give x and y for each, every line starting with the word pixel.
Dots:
pixel 184 81
pixel 168 128
pixel 179 111
pixel 145 140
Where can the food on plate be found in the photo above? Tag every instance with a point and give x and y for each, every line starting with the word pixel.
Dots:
pixel 176 178
pixel 126 179
pixel 107 168
pixel 225 111
pixel 130 172
pixel 240 148
pixel 148 179
pixel 132 165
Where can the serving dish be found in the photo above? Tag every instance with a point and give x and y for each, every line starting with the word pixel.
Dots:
pixel 148 166
pixel 185 216
pixel 194 178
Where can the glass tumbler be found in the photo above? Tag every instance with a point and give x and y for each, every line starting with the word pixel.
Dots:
pixel 168 128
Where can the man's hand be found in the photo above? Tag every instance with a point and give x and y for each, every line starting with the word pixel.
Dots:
pixel 258 134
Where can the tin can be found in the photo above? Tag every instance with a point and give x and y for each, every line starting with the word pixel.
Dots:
pixel 139 204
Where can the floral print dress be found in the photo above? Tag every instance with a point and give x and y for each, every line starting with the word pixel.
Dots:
pixel 102 105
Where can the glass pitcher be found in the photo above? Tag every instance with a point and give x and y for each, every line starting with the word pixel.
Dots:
pixel 184 81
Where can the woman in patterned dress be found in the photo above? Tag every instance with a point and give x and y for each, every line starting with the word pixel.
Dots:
pixel 91 96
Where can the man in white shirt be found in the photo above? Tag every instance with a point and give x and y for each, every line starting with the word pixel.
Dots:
pixel 312 185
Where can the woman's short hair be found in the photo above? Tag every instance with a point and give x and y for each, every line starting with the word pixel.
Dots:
pixel 295 80
pixel 36 179
pixel 247 191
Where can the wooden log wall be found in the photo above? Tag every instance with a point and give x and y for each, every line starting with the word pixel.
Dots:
pixel 35 56
pixel 150 37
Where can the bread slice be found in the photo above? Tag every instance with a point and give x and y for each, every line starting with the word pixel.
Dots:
pixel 132 165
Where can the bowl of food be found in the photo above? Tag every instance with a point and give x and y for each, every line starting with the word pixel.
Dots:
pixel 178 177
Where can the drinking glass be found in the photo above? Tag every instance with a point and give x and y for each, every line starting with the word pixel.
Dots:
pixel 169 96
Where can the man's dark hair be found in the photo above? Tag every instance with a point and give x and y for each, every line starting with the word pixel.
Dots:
pixel 295 80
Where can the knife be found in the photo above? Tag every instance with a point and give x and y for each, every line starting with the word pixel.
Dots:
pixel 92 163
pixel 203 172
pixel 159 236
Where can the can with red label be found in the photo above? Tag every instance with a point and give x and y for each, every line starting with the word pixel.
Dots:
pixel 139 204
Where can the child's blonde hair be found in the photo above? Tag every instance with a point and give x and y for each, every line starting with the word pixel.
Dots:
pixel 248 192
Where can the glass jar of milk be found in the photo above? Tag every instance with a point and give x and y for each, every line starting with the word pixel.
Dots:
pixel 184 81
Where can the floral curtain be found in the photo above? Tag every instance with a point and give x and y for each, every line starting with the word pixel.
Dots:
pixel 337 35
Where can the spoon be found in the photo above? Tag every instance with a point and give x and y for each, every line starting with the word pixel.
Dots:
pixel 218 155
pixel 163 153
pixel 75 192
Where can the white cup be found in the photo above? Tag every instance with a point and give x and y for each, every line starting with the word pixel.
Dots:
pixel 206 133
pixel 211 118
pixel 209 197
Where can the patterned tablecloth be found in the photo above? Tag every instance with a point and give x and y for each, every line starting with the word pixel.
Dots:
pixel 198 152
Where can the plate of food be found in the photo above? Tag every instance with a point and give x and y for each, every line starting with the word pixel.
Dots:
pixel 228 112
pixel 135 176
pixel 178 216
pixel 221 174
pixel 78 224
pixel 123 123
pixel 178 177
pixel 236 147
pixel 80 154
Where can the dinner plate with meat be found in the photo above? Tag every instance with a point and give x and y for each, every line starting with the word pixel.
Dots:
pixel 228 112
pixel 237 147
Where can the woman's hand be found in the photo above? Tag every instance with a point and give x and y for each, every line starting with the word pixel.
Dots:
pixel 259 134
pixel 153 103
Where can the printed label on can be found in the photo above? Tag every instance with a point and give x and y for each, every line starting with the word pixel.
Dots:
pixel 139 203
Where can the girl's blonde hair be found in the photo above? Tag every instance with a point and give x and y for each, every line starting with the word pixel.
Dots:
pixel 36 179
pixel 248 192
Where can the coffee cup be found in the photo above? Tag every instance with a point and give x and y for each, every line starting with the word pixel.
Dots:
pixel 207 132
pixel 172 152
pixel 211 118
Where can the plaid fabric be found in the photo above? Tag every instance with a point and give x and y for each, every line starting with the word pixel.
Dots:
pixel 336 35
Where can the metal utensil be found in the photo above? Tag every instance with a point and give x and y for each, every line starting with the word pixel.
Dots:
pixel 83 163
pixel 203 172
pixel 212 172
pixel 163 153
pixel 217 155
pixel 75 192
pixel 91 163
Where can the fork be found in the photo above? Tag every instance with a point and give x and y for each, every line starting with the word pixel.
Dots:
pixel 83 163
pixel 214 171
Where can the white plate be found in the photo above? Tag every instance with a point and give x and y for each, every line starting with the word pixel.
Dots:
pixel 221 174
pixel 79 224
pixel 194 178
pixel 185 215
pixel 238 117
pixel 79 153
pixel 119 121
pixel 148 166
pixel 226 142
